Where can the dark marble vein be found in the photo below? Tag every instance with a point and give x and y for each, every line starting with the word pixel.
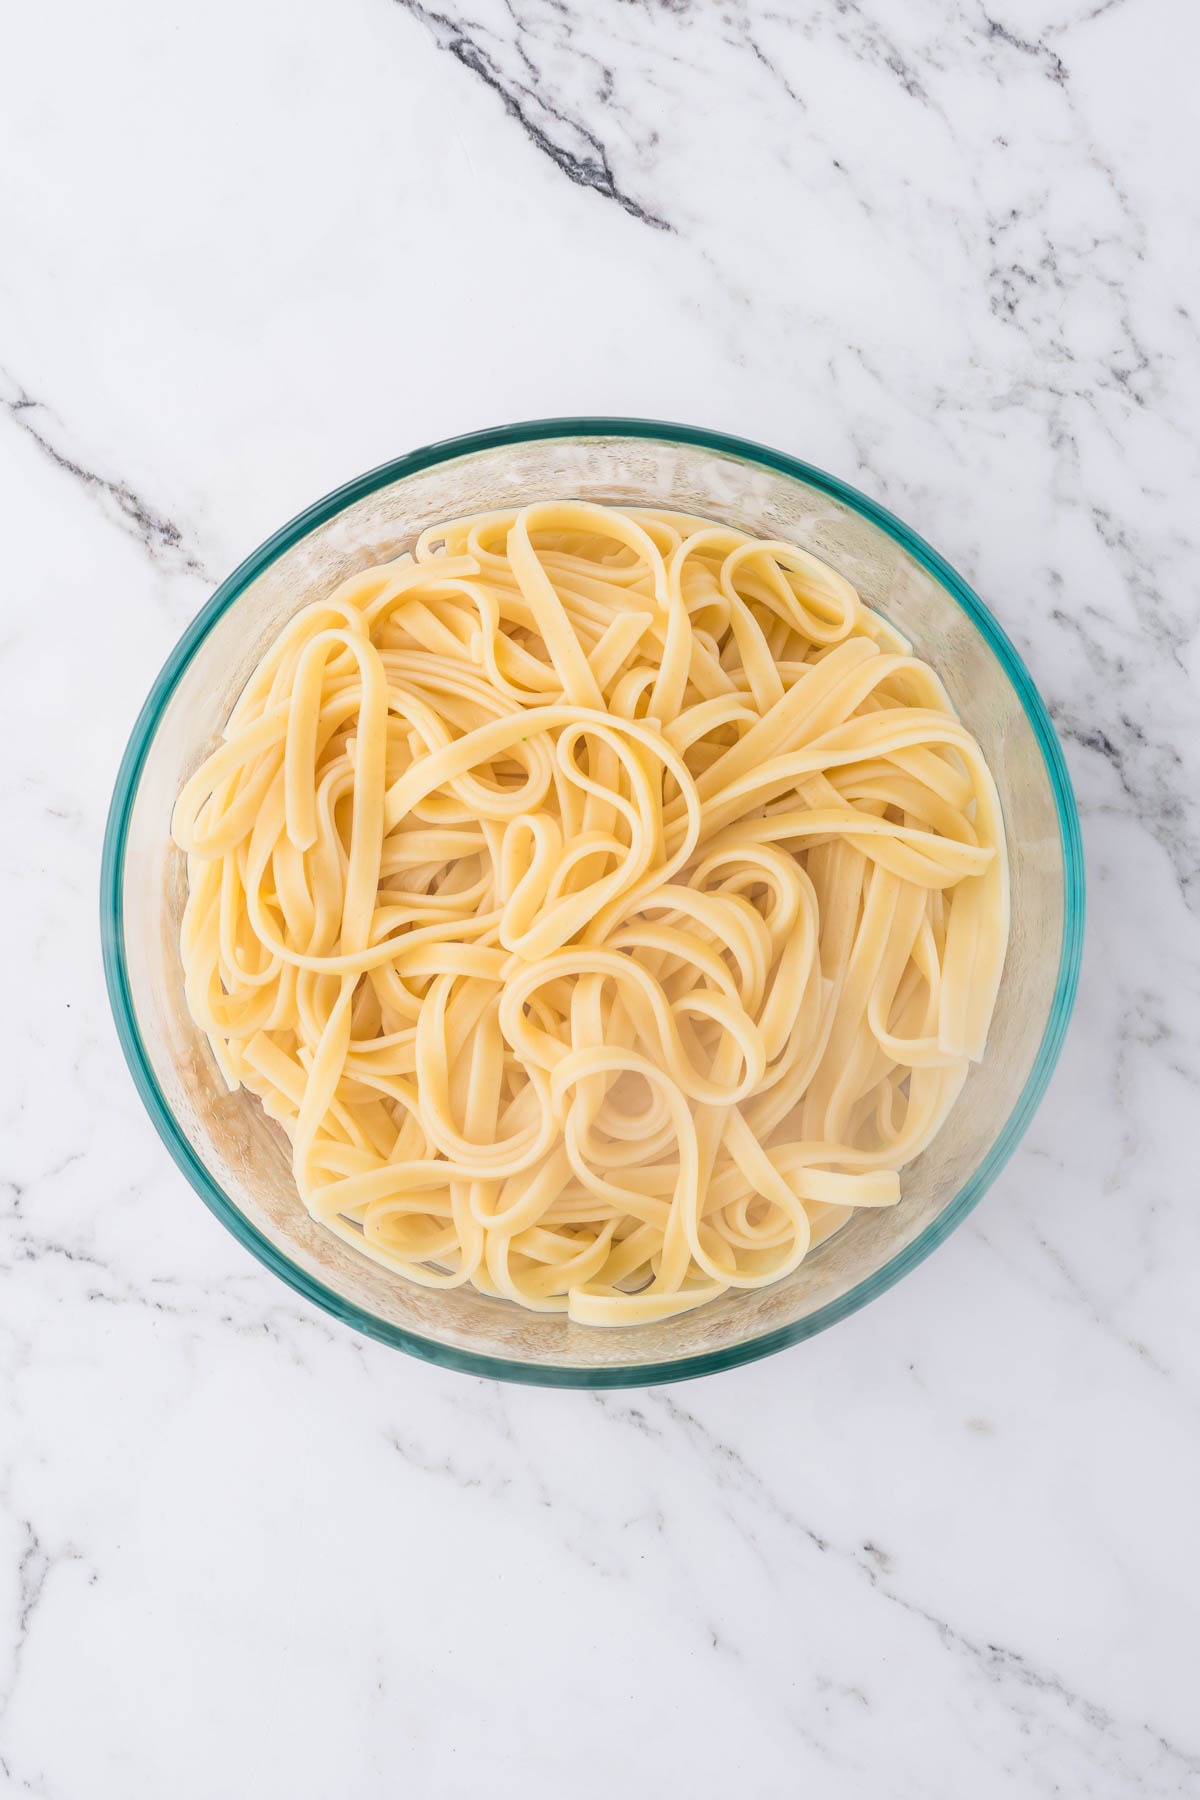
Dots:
pixel 571 145
pixel 33 1571
pixel 163 540
pixel 1052 63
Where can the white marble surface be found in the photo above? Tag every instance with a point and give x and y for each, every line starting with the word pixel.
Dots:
pixel 943 247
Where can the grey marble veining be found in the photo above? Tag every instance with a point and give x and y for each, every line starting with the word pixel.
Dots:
pixel 946 250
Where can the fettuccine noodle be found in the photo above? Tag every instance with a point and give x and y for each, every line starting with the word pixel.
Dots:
pixel 602 900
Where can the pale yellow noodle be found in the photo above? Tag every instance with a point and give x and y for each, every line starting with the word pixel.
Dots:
pixel 603 901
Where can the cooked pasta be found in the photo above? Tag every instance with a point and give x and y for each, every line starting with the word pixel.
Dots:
pixel 603 901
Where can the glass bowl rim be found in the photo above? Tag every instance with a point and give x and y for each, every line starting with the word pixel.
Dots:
pixel 471 1361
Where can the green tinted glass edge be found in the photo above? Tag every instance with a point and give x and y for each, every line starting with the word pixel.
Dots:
pixel 467 1361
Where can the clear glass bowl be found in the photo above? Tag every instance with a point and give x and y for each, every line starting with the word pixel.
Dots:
pixel 237 1161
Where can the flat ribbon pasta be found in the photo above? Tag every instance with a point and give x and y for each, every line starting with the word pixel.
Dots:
pixel 603 901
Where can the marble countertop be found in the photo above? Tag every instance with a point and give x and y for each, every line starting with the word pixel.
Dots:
pixel 944 249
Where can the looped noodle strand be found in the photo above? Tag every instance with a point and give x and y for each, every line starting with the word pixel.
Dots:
pixel 604 903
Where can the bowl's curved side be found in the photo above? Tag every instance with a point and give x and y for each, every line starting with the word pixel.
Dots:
pixel 112 911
